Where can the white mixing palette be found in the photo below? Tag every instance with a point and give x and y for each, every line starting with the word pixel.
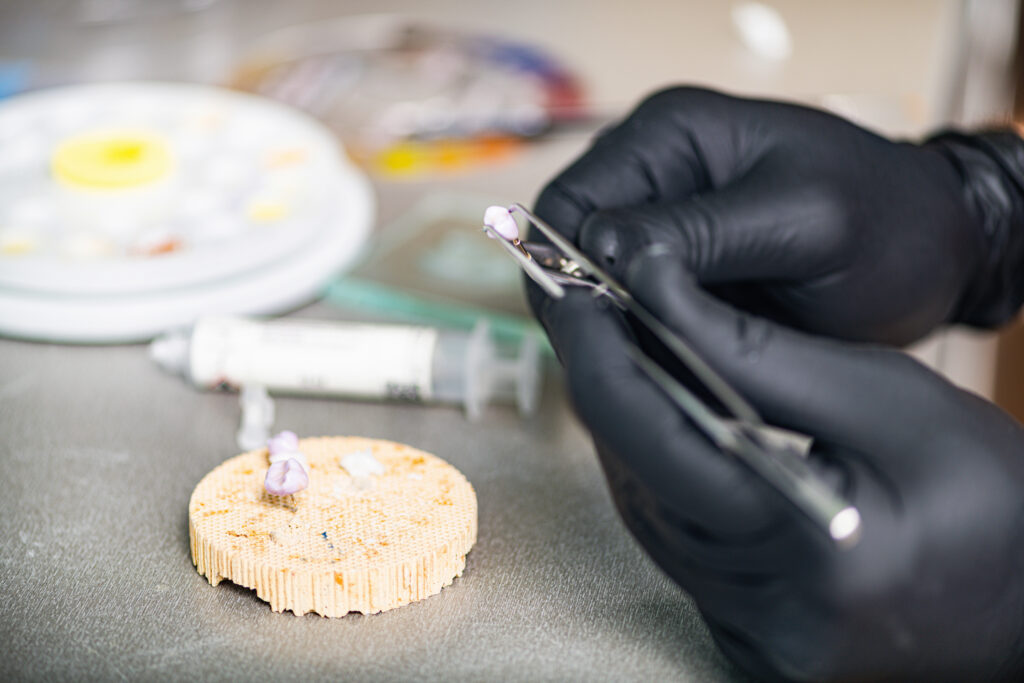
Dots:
pixel 257 211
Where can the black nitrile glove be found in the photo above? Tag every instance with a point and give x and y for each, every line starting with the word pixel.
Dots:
pixel 801 216
pixel 935 588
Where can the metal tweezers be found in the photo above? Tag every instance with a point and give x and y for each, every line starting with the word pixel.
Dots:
pixel 742 433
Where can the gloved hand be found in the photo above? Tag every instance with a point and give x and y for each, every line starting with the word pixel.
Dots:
pixel 801 216
pixel 935 588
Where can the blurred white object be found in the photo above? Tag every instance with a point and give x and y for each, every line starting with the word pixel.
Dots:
pixel 762 30
pixel 284 213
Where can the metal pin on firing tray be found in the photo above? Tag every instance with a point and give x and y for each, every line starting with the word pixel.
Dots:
pixel 560 264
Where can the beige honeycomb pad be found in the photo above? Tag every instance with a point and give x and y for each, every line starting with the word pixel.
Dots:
pixel 342 544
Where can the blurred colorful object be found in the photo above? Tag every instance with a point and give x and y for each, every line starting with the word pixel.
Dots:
pixel 408 98
pixel 129 208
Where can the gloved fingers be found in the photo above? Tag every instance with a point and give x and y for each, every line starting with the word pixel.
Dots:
pixel 754 229
pixel 741 579
pixel 747 648
pixel 630 416
pixel 688 550
pixel 845 394
pixel 675 143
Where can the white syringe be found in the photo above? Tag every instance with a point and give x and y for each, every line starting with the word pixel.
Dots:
pixel 357 360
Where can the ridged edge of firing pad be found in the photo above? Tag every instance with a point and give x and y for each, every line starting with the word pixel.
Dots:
pixel 343 544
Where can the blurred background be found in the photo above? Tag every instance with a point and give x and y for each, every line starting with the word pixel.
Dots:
pixel 444 106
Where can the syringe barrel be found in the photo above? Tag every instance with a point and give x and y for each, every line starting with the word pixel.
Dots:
pixel 308 357
pixel 449 366
pixel 355 360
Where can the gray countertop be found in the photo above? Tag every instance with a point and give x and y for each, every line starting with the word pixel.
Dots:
pixel 100 452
